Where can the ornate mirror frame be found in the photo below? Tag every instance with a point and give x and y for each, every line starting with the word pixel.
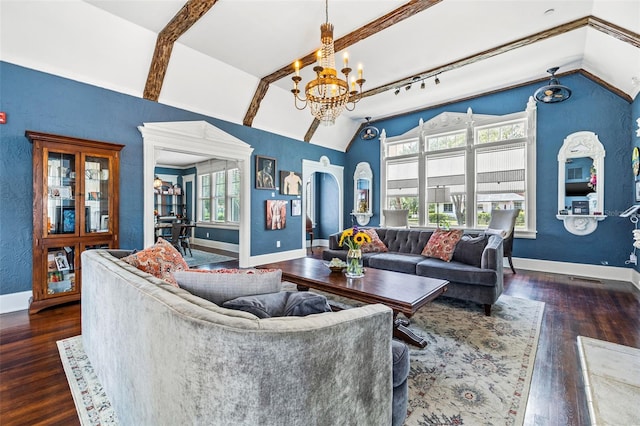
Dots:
pixel 579 145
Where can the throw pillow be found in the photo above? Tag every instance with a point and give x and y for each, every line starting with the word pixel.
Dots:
pixel 160 260
pixel 376 245
pixel 284 303
pixel 220 285
pixel 442 243
pixel 469 250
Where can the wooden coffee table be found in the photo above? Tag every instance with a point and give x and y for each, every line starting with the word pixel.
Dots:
pixel 404 293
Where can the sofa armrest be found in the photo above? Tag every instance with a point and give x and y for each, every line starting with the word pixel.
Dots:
pixel 492 254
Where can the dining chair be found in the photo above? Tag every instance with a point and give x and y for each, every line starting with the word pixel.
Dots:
pixel 184 238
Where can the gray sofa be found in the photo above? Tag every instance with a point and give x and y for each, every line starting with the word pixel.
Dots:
pixel 167 357
pixel 474 274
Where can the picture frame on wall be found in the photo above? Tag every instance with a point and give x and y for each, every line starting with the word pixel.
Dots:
pixel 276 214
pixel 296 207
pixel 265 172
pixel 290 183
pixel 638 191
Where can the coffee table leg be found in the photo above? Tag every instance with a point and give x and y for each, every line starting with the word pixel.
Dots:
pixel 402 332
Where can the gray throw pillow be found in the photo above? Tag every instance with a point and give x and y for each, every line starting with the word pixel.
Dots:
pixel 221 285
pixel 469 250
pixel 284 303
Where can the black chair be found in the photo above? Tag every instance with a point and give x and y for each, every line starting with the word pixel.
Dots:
pixel 176 230
pixel 184 241
pixel 505 221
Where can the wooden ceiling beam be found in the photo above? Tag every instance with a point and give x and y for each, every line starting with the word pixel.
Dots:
pixel 188 15
pixel 403 12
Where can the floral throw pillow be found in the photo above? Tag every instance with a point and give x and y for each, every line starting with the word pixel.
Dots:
pixel 442 244
pixel 376 245
pixel 160 260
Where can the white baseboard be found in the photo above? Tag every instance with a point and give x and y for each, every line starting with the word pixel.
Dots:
pixel 235 248
pixel 276 257
pixel 14 301
pixel 578 270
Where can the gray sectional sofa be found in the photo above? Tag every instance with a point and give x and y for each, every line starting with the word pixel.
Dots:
pixel 167 357
pixel 475 273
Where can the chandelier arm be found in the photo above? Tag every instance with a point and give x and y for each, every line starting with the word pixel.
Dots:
pixel 295 103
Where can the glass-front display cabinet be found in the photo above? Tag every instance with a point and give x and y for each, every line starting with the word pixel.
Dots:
pixel 75 208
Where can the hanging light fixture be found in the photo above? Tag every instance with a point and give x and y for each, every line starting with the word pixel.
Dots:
pixel 554 91
pixel 157 182
pixel 328 95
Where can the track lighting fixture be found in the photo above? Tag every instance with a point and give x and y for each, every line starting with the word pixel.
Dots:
pixel 416 79
pixel 407 87
pixel 422 85
pixel 397 91
pixel 437 80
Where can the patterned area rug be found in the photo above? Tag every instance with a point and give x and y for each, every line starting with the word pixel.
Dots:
pixel 476 370
pixel 198 257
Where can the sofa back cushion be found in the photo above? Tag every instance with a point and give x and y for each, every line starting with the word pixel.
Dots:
pixel 404 240
pixel 221 285
pixel 469 250
pixel 160 260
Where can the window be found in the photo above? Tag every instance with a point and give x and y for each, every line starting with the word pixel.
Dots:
pixel 479 162
pixel 218 192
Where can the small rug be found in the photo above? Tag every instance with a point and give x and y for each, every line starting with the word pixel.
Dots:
pixel 475 370
pixel 612 381
pixel 199 257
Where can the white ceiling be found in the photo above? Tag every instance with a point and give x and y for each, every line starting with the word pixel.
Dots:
pixel 217 64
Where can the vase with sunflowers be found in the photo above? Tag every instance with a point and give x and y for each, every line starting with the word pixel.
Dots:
pixel 354 238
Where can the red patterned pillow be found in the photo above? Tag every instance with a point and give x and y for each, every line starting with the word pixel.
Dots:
pixel 376 245
pixel 160 260
pixel 442 244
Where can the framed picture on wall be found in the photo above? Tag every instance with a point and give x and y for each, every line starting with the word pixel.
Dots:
pixel 290 183
pixel 296 207
pixel 265 172
pixel 276 214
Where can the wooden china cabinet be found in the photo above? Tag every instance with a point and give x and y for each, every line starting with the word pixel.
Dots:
pixel 75 208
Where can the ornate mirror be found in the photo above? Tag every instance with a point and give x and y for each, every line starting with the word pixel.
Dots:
pixel 362 190
pixel 581 183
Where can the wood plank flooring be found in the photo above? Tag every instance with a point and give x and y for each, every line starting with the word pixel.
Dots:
pixel 34 390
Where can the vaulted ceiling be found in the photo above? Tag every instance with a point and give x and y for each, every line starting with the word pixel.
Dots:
pixel 233 59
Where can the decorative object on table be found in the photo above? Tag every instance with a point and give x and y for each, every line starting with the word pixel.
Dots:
pixel 354 238
pixel 336 265
pixel 265 172
pixel 580 207
pixel 635 161
pixel 276 214
pixel 290 183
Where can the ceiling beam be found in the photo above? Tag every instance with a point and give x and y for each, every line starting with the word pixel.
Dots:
pixel 403 12
pixel 188 15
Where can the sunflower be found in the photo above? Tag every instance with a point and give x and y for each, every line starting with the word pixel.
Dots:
pixel 353 238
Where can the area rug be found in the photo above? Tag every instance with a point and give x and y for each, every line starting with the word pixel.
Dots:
pixel 199 257
pixel 611 375
pixel 475 370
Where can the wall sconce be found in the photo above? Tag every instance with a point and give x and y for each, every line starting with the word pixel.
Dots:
pixel 157 182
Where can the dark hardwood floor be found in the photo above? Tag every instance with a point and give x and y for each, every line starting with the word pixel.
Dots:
pixel 34 390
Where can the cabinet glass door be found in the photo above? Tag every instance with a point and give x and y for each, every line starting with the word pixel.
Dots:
pixel 96 194
pixel 61 270
pixel 61 190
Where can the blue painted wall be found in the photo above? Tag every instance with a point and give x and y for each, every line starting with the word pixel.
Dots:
pixel 591 108
pixel 635 115
pixel 43 102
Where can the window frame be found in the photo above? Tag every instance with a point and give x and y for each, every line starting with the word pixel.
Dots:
pixel 449 123
pixel 212 170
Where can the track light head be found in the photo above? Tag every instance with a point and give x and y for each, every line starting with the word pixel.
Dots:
pixel 397 91
pixel 437 80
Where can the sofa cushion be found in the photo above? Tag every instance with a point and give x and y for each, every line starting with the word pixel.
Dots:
pixel 398 262
pixel 442 244
pixel 405 240
pixel 375 245
pixel 160 260
pixel 281 304
pixel 469 250
pixel 456 272
pixel 220 285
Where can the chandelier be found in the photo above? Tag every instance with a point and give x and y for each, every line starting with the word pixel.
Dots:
pixel 328 95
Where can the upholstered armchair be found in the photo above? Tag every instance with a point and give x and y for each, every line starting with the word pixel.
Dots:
pixel 503 222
